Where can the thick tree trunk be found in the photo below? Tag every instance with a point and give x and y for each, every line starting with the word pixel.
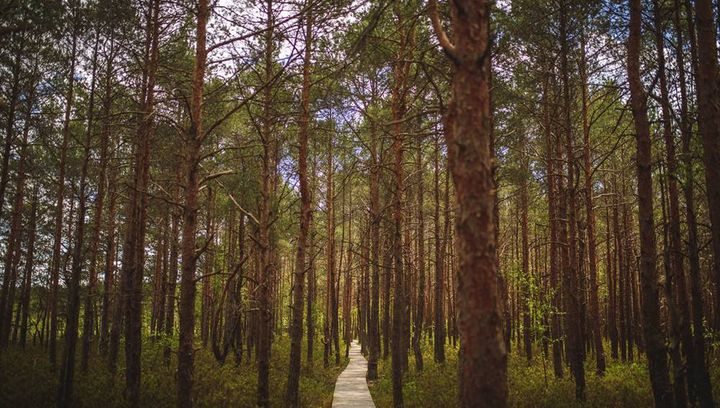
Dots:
pixel 653 330
pixel 482 356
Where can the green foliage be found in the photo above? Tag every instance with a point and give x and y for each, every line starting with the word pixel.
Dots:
pixel 32 383
pixel 623 385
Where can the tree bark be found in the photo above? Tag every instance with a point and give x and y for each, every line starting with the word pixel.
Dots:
pixel 525 293
pixel 67 371
pixel 439 335
pixel 190 254
pixel 675 273
pixel 482 356
pixel 292 396
pixel 60 202
pixel 374 319
pixel 590 214
pixel 133 264
pixel 265 244
pixel 699 372
pixel 420 308
pixel 707 86
pixel 29 264
pixel 652 329
pixel 571 287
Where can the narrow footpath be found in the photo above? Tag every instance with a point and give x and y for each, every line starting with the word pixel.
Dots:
pixel 351 388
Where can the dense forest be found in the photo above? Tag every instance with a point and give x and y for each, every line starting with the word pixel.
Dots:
pixel 468 203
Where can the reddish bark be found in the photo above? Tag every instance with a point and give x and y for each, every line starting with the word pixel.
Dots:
pixel 292 396
pixel 652 329
pixel 482 357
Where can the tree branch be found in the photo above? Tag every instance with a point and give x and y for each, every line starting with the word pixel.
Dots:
pixel 437 27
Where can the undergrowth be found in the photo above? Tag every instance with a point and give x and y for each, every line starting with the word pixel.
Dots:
pixel 26 379
pixel 533 385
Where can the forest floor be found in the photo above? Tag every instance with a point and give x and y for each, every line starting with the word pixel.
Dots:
pixel 534 385
pixel 26 379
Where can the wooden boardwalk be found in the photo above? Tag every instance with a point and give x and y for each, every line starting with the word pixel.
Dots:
pixel 351 388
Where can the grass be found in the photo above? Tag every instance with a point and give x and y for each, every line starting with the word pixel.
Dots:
pixel 26 380
pixel 534 385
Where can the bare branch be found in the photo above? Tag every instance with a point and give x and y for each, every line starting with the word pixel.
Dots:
pixel 437 27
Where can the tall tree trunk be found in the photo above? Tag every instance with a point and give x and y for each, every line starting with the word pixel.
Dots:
pixel 190 254
pixel 611 272
pixel 13 253
pixel 621 271
pixel 15 83
pixel 652 329
pixel 67 371
pixel 590 213
pixel 112 297
pixel 60 202
pixel 706 81
pixel 675 276
pixel 173 265
pixel 133 264
pixel 439 335
pixel 331 300
pixel 89 316
pixel 525 284
pixel 400 67
pixel 420 314
pixel 265 244
pixel 374 320
pixel 575 343
pixel 553 221
pixel 311 279
pixel 29 264
pixel 699 376
pixel 292 396
pixel 482 356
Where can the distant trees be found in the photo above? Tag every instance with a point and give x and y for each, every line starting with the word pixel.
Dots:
pixel 295 159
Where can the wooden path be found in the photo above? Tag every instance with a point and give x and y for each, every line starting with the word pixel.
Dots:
pixel 351 388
